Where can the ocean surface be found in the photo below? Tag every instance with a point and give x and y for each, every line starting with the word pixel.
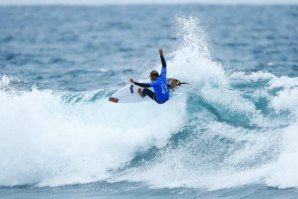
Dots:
pixel 231 133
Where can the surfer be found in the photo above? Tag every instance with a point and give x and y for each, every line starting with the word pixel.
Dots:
pixel 158 82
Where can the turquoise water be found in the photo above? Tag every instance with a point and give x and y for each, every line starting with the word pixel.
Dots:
pixel 231 133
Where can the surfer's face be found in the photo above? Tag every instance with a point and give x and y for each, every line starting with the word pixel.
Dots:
pixel 152 77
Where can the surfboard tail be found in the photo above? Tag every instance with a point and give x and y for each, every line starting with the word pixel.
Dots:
pixel 113 99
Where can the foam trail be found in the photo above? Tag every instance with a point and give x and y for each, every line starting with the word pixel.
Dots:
pixel 45 141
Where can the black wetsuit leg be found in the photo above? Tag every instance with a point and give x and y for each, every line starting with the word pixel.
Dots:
pixel 148 92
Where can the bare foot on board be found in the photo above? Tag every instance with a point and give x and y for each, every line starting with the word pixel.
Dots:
pixel 140 91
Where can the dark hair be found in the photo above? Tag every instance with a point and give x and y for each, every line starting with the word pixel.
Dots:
pixel 154 73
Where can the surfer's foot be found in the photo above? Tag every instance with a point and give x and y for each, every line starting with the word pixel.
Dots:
pixel 140 91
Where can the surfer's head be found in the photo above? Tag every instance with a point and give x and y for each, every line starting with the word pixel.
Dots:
pixel 153 75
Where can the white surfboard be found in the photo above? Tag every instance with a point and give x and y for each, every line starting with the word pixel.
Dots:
pixel 129 93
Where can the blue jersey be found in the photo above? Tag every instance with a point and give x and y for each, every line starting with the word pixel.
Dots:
pixel 160 86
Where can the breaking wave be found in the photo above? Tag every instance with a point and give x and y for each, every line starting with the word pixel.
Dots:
pixel 224 130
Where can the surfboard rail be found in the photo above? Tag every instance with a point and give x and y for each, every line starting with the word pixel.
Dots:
pixel 129 94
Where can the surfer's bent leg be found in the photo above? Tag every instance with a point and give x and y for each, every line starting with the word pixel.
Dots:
pixel 149 93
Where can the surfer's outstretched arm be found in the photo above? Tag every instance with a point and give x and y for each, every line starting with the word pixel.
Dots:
pixel 163 61
pixel 144 85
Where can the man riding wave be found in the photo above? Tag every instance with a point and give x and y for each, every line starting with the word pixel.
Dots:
pixel 158 82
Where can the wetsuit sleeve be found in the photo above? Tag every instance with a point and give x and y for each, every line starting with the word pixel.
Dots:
pixel 163 61
pixel 144 85
pixel 163 72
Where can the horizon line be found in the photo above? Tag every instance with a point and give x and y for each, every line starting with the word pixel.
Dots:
pixel 147 4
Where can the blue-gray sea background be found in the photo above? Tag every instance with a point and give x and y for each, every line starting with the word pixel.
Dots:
pixel 231 134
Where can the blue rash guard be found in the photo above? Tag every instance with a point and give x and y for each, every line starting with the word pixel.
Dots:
pixel 160 85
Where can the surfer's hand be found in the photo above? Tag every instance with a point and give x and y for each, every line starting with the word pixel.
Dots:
pixel 161 51
pixel 132 81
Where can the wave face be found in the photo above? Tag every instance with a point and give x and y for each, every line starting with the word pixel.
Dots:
pixel 226 129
